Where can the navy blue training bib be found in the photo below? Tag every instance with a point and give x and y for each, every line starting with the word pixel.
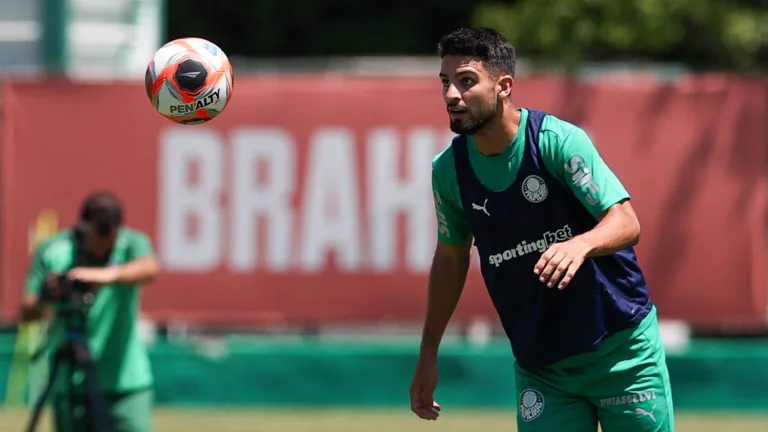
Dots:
pixel 512 228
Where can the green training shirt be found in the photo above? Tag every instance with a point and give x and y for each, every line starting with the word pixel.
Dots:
pixel 112 330
pixel 568 155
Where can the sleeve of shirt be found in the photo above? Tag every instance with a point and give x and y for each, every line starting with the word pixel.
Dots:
pixel 452 225
pixel 38 272
pixel 140 246
pixel 573 158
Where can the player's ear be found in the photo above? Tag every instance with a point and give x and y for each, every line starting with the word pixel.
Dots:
pixel 505 84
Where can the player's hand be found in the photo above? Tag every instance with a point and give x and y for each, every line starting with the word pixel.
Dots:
pixel 94 275
pixel 422 390
pixel 560 262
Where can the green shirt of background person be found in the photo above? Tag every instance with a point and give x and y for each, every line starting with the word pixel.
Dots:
pixel 117 261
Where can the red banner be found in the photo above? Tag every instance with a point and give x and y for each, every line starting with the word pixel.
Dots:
pixel 309 198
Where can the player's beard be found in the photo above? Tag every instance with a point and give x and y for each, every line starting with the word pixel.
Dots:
pixel 474 121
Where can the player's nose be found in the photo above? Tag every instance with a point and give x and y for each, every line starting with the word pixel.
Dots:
pixel 452 94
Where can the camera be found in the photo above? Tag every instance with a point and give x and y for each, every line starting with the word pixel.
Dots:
pixel 63 289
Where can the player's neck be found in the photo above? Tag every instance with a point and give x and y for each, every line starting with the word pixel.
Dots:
pixel 494 139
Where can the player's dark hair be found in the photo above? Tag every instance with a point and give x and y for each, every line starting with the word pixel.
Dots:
pixel 104 211
pixel 483 43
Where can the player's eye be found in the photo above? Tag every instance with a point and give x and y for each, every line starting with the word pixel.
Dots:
pixel 445 82
pixel 467 81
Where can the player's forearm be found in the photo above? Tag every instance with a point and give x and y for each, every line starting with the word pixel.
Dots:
pixel 617 230
pixel 446 282
pixel 139 271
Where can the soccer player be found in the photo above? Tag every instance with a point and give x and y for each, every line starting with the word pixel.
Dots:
pixel 118 261
pixel 554 229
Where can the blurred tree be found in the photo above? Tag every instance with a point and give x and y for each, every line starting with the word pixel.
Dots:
pixel 703 34
pixel 318 27
pixel 712 34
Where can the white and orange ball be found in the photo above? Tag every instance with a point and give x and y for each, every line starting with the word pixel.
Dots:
pixel 189 81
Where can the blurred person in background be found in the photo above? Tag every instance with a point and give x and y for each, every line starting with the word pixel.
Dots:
pixel 117 261
pixel 555 230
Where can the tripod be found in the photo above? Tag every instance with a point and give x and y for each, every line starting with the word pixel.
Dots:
pixel 76 357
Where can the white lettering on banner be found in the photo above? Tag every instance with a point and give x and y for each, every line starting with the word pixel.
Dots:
pixel 390 196
pixel 242 203
pixel 263 168
pixel 331 213
pixel 445 142
pixel 190 218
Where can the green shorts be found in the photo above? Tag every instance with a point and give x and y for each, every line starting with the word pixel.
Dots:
pixel 132 412
pixel 623 386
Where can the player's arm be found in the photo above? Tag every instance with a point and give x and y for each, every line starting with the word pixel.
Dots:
pixel 618 229
pixel 576 161
pixel 449 268
pixel 446 282
pixel 571 156
pixel 143 266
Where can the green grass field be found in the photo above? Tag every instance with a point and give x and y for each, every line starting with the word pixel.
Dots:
pixel 233 420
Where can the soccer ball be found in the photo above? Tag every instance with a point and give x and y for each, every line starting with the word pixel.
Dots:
pixel 189 81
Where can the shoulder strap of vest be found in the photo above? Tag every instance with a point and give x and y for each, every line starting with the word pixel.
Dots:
pixel 460 154
pixel 532 131
pixel 533 127
pixel 459 144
